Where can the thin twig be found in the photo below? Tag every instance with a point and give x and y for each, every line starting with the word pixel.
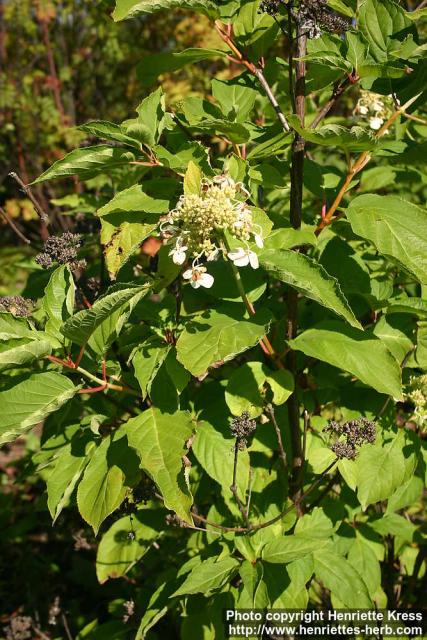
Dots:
pixel 66 627
pixel 233 487
pixel 254 70
pixel 37 206
pixel 13 226
pixel 336 94
pixel 282 452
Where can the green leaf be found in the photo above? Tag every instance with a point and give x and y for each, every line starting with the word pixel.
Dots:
pixel 157 608
pixel 30 401
pixel 235 99
pixel 382 469
pixel 82 325
pixel 149 124
pixel 342 579
pixel 210 574
pixel 69 466
pixel 111 472
pixel 58 301
pixel 215 454
pixel 287 584
pixel 315 524
pixel 254 30
pixel 397 228
pixel 160 441
pixel 12 328
pixel 87 163
pixel 246 386
pixel 192 180
pixel 219 335
pixel 334 135
pixel 362 355
pixel 309 277
pixel 16 353
pixel 109 131
pixel 405 495
pixel 147 361
pixel 154 65
pixel 132 201
pixel 121 242
pixel 363 559
pixel 292 547
pixel 126 542
pixel 381 22
pixel 414 306
pixel 130 8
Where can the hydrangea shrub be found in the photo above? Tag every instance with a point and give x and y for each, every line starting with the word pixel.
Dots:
pixel 230 365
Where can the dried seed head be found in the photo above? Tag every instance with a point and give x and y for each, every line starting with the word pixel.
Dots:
pixel 242 427
pixel 349 435
pixel 62 249
pixel 314 15
pixel 344 450
pixel 271 7
pixel 16 305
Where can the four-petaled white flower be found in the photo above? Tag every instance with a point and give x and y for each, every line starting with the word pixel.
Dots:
pixel 376 123
pixel 242 257
pixel 178 253
pixel 198 277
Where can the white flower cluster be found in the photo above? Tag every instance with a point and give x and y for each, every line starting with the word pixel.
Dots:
pixel 417 394
pixel 198 223
pixel 375 107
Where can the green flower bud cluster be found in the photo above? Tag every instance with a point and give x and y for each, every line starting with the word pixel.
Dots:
pixel 417 394
pixel 203 218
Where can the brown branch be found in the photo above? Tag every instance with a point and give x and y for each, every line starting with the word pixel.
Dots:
pixel 39 209
pixel 282 452
pixel 295 215
pixel 233 488
pixel 13 226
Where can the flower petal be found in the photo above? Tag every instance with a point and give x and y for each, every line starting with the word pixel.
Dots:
pixel 236 254
pixel 258 240
pixel 242 262
pixel 188 274
pixel 253 259
pixel 206 280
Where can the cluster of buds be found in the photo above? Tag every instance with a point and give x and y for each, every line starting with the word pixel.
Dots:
pixel 375 108
pixel 271 7
pixel 16 305
pixel 241 428
pixel 198 224
pixel 313 16
pixel 129 610
pixel 350 435
pixel 61 249
pixel 417 394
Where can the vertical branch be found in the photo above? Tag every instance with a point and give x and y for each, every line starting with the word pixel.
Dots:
pixel 233 487
pixel 282 452
pixel 295 214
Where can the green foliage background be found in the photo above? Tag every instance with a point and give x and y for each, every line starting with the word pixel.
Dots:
pixel 149 538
